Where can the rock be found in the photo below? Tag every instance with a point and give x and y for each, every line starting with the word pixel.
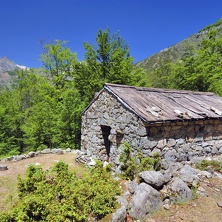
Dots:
pixel 3 167
pixel 196 159
pixel 218 175
pixel 144 201
pixel 171 142
pixel 57 151
pixel 166 206
pixel 84 159
pixel 46 151
pixel 189 175
pixel 161 143
pixel 122 201
pixel 78 152
pixel 201 191
pixel 92 162
pixel 9 158
pixel 205 174
pixel 119 215
pixel 207 149
pixel 38 153
pixel 131 186
pixel 18 158
pixel 153 178
pixel 171 155
pixel 219 204
pixel 171 168
pixel 68 150
pixel 179 190
pixel 31 154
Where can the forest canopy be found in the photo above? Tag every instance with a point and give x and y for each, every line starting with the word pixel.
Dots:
pixel 44 110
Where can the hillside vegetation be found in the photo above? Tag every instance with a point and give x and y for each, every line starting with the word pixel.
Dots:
pixel 179 50
pixel 199 69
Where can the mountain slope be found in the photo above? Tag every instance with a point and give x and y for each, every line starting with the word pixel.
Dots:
pixel 8 70
pixel 176 51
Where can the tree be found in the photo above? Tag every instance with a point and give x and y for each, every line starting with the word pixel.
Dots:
pixel 58 62
pixel 110 61
pixel 159 77
pixel 201 71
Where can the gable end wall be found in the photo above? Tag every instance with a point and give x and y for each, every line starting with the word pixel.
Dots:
pixel 108 111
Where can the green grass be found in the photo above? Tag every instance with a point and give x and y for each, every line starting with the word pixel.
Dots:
pixel 209 164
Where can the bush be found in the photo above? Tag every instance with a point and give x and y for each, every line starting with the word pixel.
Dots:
pixel 58 195
pixel 132 165
pixel 212 164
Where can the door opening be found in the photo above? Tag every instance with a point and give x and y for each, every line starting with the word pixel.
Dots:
pixel 106 132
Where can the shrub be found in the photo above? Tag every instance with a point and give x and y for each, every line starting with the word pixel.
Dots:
pixel 128 165
pixel 58 195
pixel 213 164
pixel 132 165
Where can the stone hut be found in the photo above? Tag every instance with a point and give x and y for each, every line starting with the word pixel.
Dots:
pixel 178 124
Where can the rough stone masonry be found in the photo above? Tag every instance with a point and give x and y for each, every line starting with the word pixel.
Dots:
pixel 107 123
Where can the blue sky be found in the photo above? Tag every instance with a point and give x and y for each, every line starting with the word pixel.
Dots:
pixel 148 26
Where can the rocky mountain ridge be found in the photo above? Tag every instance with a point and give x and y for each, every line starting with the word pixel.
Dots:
pixel 8 70
pixel 175 52
pixel 8 65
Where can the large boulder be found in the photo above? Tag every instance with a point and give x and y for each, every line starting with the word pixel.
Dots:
pixel 189 175
pixel 145 200
pixel 154 178
pixel 178 190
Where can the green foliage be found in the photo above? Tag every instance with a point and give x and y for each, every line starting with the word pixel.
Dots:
pixel 132 165
pixel 58 62
pixel 150 163
pixel 128 165
pixel 41 111
pixel 12 73
pixel 58 195
pixel 110 61
pixel 215 25
pixel 199 69
pixel 212 164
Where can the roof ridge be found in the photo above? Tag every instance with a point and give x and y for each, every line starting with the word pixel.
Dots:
pixel 160 89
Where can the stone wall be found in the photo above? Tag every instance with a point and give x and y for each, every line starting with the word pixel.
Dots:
pixel 124 126
pixel 107 122
pixel 181 141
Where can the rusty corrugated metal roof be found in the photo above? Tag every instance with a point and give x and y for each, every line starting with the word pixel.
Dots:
pixel 160 105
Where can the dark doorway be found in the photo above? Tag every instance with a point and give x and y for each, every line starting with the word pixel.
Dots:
pixel 106 133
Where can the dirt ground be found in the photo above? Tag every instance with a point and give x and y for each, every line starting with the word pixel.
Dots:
pixel 200 209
